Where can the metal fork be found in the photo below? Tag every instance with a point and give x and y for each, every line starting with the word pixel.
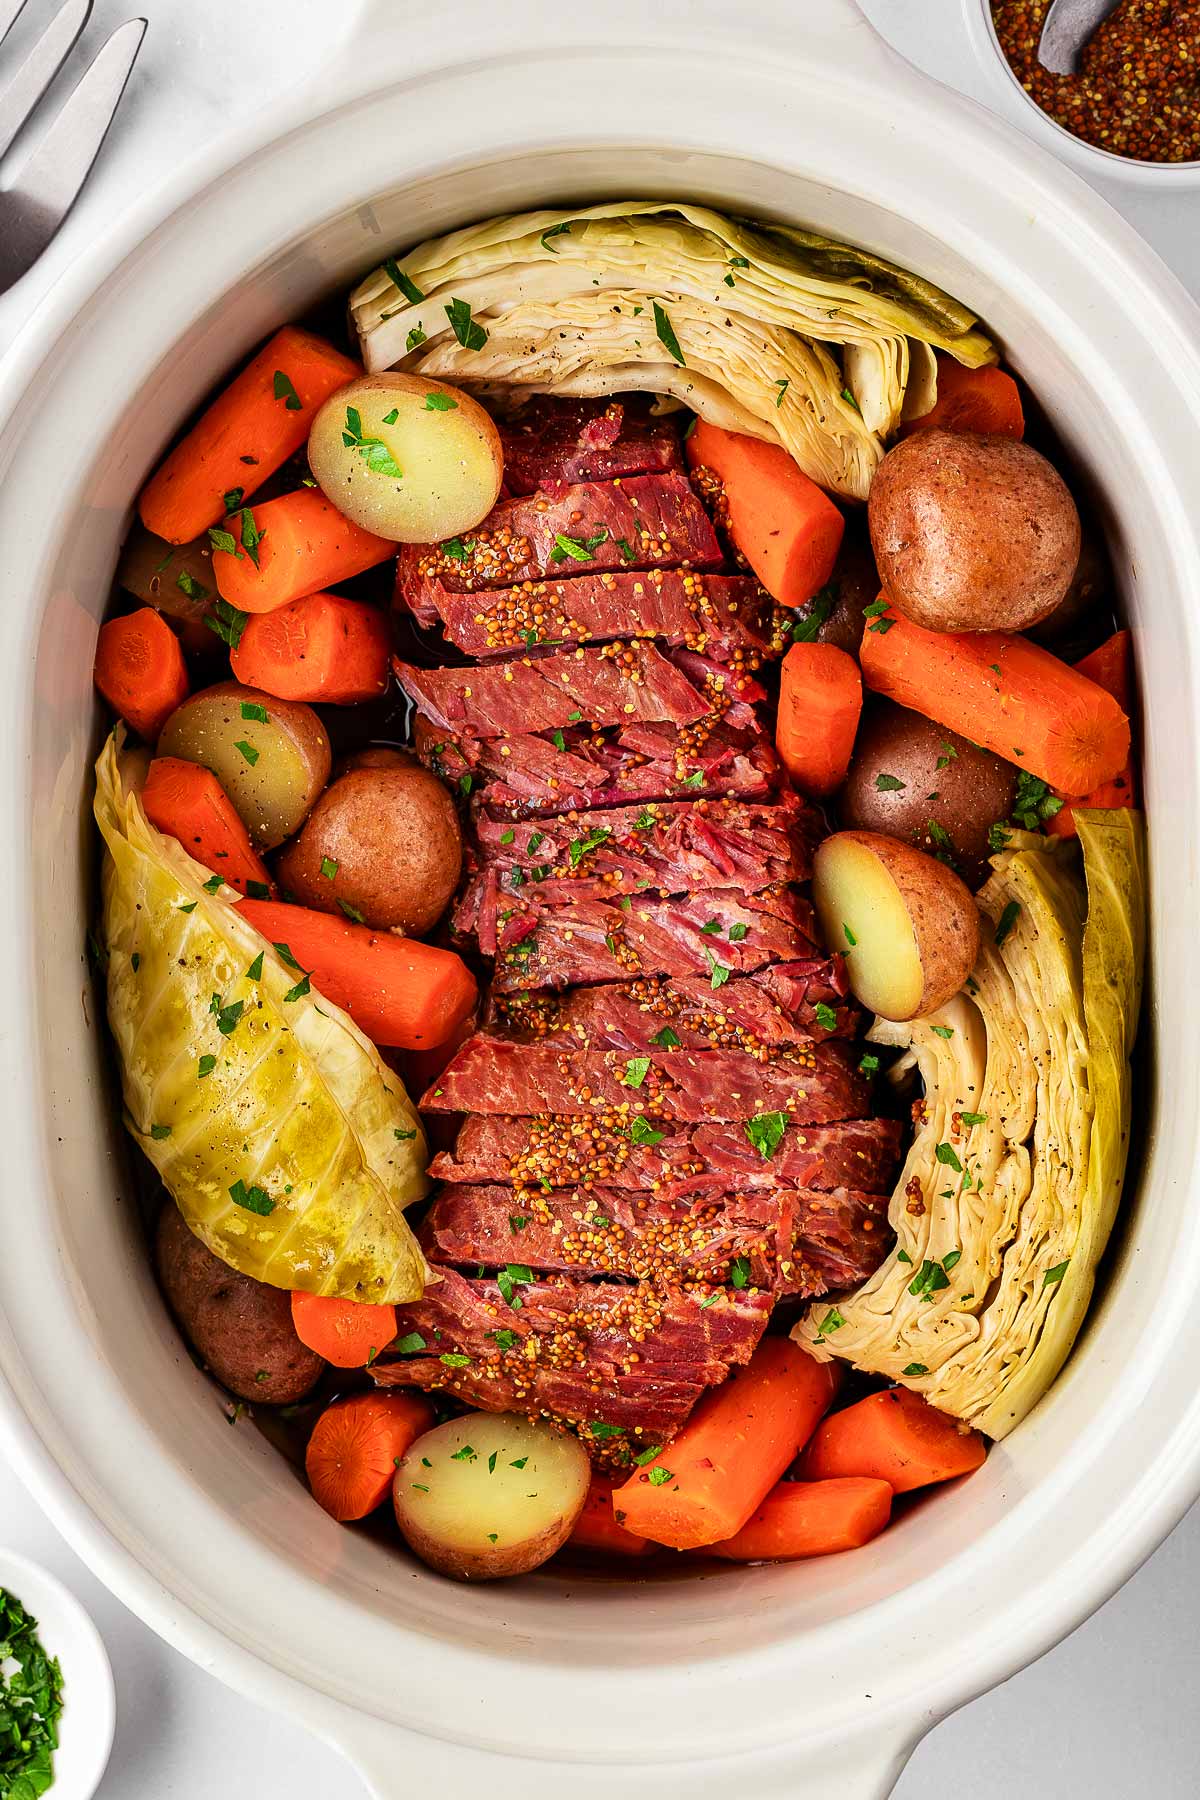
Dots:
pixel 44 187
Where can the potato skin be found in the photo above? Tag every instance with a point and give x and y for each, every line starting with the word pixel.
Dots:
pixel 274 793
pixel 240 1327
pixel 972 791
pixel 1069 630
pixel 394 834
pixel 943 916
pixel 972 533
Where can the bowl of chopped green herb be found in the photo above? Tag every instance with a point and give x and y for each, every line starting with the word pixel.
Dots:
pixel 57 1703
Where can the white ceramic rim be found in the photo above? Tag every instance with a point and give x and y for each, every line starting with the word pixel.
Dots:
pixel 1089 157
pixel 1149 1508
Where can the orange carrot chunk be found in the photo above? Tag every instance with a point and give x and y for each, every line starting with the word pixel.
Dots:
pixel 345 1333
pixel 984 400
pixel 820 699
pixel 248 432
pixel 788 530
pixel 188 802
pixel 322 647
pixel 291 547
pixel 1111 667
pixel 140 670
pixel 399 992
pixel 811 1518
pixel 1004 693
pixel 597 1527
pixel 895 1437
pixel 355 1445
pixel 718 1470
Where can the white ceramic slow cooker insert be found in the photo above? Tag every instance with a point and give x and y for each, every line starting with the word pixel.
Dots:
pixel 775 1681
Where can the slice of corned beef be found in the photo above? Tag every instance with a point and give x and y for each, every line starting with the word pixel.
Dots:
pixel 529 776
pixel 719 616
pixel 541 1152
pixel 493 1075
pixel 675 847
pixel 771 1238
pixel 708 935
pixel 747 1013
pixel 642 522
pixel 633 1356
pixel 551 440
pixel 615 685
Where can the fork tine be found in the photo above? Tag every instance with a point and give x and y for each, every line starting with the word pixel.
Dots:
pixel 40 67
pixel 45 187
pixel 10 12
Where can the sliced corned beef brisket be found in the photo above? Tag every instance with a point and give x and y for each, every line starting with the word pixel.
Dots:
pixel 664 1124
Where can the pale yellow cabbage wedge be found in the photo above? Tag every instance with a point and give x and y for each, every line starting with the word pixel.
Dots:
pixel 759 313
pixel 289 1146
pixel 1010 1188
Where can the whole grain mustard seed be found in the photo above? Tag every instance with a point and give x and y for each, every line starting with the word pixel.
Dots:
pixel 1137 93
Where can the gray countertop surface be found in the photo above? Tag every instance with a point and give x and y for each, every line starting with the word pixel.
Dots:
pixel 1108 1713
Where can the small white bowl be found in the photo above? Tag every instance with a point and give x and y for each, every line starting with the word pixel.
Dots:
pixel 89 1712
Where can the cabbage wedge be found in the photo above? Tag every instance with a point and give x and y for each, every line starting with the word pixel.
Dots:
pixel 288 1145
pixel 1011 1186
pixel 777 332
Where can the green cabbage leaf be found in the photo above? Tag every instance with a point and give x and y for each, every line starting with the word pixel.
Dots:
pixel 780 333
pixel 1011 1186
pixel 289 1146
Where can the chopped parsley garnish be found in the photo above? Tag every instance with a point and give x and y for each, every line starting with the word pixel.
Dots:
pixel 876 614
pixel 454 1360
pixel 929 1280
pixel 405 283
pixel 213 885
pixel 31 1704
pixel 578 549
pixel 1056 1273
pixel 282 388
pixel 189 907
pixel 942 1031
pixel 509 1278
pixel 666 335
pixel 521 1460
pixel 783 385
pixel 469 332
pixel 302 987
pixel 947 756
pixel 552 232
pixel 826 1016
pixel 739 1271
pixel 253 1199
pixel 507 1340
pixel 224 620
pixel 466 1454
pixel 248 751
pixel 916 1369
pixel 833 1321
pixel 764 1132
pixel 848 397
pixel 373 450
pixel 1033 802
pixel 252 537
pixel 518 1221
pixel 401 1136
pixel 889 784
pixel 415 338
pixel 806 629
pixel 648 1455
pixel 558 740
pixel 869 1065
pixel 206 1066
pixel 579 849
pixel 738 931
pixel 329 867
pixel 939 835
pixel 223 540
pixel 228 1016
pixel 233 499
pixel 626 548
pixel 718 971
pixel 410 1344
pixel 599 1429
pixel 658 1477
pixel 1008 919
pixel 998 836
pixel 850 937
pixel 390 418
pixel 711 928
pixel 254 972
pixel 195 590
pixel 666 1039
pixel 257 890
pixel 507 837
pixel 636 1071
pixel 160 1132
pixel 466 783
pixel 434 403
pixel 351 912
pixel 948 1157
pixel 973 1118
pixel 254 709
pixel 643 1132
